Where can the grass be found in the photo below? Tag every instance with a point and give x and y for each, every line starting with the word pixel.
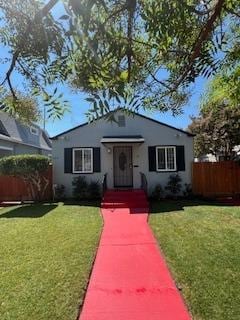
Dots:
pixel 46 257
pixel 201 244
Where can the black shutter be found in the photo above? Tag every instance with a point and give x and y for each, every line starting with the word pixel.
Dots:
pixel 68 160
pixel 152 158
pixel 180 158
pixel 96 160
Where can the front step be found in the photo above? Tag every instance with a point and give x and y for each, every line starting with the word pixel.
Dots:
pixel 124 199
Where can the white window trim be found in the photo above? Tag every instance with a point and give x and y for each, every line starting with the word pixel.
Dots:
pixel 73 160
pixel 175 158
pixel 34 131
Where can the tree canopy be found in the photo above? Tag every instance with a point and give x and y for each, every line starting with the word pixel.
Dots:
pixel 218 126
pixel 121 52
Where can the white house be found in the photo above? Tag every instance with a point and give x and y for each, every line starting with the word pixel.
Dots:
pixel 133 150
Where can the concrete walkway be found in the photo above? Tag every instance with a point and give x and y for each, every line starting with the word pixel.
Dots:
pixel 130 280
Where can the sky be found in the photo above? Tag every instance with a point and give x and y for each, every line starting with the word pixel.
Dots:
pixel 79 106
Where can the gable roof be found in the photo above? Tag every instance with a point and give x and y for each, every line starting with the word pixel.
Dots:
pixel 14 131
pixel 132 112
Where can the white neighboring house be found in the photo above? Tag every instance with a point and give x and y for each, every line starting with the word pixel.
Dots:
pixel 17 138
pixel 219 157
pixel 123 150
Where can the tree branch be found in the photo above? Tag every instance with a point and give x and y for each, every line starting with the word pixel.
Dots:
pixel 203 36
pixel 232 12
pixel 39 15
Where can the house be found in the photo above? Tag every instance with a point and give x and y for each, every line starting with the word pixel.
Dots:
pixel 18 138
pixel 219 156
pixel 128 150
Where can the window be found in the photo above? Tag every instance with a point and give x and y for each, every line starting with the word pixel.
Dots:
pixel 34 131
pixel 82 160
pixel 121 121
pixel 166 158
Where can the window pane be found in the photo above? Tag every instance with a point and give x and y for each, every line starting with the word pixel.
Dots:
pixel 87 160
pixel 78 160
pixel 161 159
pixel 170 158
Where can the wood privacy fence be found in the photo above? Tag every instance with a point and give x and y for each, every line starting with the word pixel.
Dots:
pixel 212 179
pixel 15 189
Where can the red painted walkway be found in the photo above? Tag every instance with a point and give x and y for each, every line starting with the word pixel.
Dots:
pixel 130 280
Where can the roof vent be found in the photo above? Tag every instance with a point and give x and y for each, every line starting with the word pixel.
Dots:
pixel 121 121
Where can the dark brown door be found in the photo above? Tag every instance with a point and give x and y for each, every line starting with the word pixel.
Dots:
pixel 122 165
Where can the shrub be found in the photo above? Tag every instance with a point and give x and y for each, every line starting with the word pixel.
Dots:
pixel 30 168
pixel 94 190
pixel 80 187
pixel 157 193
pixel 59 191
pixel 174 184
pixel 187 192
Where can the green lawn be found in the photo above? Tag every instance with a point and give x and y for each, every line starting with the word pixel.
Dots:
pixel 201 244
pixel 46 254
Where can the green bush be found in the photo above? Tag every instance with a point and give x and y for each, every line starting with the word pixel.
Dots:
pixel 157 193
pixel 174 184
pixel 187 192
pixel 80 187
pixel 30 168
pixel 94 190
pixel 23 165
pixel 83 190
pixel 59 192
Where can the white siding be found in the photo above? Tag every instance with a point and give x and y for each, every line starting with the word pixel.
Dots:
pixel 90 135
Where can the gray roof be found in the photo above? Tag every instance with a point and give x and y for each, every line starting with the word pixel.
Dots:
pixel 14 131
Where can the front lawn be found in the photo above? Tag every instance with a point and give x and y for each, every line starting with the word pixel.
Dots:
pixel 201 244
pixel 46 254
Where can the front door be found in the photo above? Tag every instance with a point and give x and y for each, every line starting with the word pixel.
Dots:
pixel 122 165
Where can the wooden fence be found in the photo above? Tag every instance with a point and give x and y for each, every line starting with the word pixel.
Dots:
pixel 15 189
pixel 216 179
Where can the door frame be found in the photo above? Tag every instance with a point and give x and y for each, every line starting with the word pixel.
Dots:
pixel 131 159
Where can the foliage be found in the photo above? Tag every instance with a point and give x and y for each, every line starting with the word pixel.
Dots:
pixel 46 247
pixel 158 192
pixel 30 168
pixel 216 129
pixel 147 51
pixel 59 192
pixel 80 187
pixel 94 190
pixel 187 192
pixel 174 184
pixel 24 108
pixel 83 190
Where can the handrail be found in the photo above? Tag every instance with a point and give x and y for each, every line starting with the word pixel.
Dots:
pixel 104 183
pixel 144 184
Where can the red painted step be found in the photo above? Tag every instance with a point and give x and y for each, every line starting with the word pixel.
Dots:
pixel 130 279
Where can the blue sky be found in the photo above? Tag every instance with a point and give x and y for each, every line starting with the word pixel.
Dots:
pixel 79 106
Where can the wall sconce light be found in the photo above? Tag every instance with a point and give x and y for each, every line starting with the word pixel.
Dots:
pixel 109 150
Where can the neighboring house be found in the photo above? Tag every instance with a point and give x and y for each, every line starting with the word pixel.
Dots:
pixel 17 138
pixel 219 157
pixel 123 150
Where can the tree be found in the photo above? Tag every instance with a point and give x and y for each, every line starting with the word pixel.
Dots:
pixel 217 131
pixel 31 169
pixel 24 108
pixel 126 52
